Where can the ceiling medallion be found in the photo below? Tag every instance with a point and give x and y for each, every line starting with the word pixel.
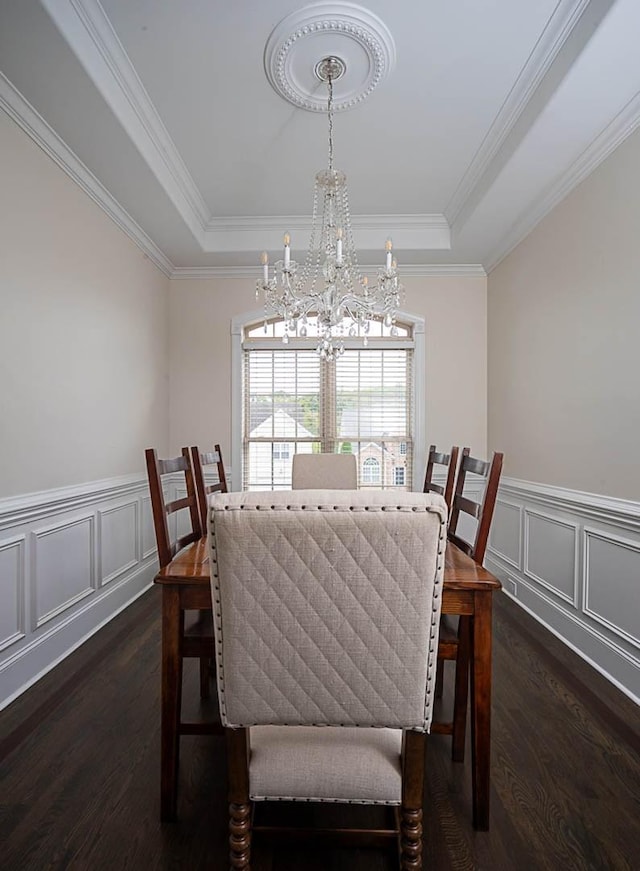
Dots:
pixel 343 30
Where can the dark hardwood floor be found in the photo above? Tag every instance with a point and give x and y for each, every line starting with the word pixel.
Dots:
pixel 79 768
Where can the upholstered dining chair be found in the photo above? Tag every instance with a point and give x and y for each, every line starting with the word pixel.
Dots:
pixel 197 628
pixel 455 640
pixel 450 462
pixel 199 460
pixel 326 615
pixel 324 472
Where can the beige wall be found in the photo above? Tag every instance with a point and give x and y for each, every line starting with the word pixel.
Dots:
pixel 564 339
pixel 83 332
pixel 455 382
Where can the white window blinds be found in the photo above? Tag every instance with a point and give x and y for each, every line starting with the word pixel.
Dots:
pixel 293 402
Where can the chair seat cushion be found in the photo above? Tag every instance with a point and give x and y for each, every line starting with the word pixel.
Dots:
pixel 324 763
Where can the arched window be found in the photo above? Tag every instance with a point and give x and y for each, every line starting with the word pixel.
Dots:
pixel 371 471
pixel 283 393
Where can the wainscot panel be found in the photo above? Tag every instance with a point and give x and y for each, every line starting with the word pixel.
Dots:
pixel 70 560
pixel 579 573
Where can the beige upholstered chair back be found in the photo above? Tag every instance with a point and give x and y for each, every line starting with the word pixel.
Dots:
pixel 326 606
pixel 324 471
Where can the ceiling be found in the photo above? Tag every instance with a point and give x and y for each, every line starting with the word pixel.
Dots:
pixel 489 114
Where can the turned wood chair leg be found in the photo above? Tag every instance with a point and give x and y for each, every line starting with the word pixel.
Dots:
pixel 411 840
pixel 413 759
pixel 239 803
pixel 461 690
pixel 240 836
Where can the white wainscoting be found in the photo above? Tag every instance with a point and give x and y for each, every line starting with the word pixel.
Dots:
pixel 70 560
pixel 572 560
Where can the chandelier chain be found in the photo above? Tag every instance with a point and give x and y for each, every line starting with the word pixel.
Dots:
pixel 330 114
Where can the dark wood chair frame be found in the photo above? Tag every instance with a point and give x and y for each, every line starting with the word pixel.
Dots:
pixel 455 641
pixel 196 636
pixel 450 460
pixel 407 830
pixel 199 460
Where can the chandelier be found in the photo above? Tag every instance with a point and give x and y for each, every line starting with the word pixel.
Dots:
pixel 329 286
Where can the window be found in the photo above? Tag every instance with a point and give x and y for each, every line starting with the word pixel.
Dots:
pixel 293 402
pixel 281 450
pixel 371 471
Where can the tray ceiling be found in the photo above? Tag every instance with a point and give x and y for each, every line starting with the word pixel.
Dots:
pixel 487 115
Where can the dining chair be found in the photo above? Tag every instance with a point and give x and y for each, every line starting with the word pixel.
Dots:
pixel 324 472
pixel 199 460
pixel 455 640
pixel 450 462
pixel 197 626
pixel 326 689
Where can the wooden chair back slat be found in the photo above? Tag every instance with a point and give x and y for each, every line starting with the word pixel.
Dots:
pixel 469 506
pixel 477 467
pixel 174 464
pixel 176 505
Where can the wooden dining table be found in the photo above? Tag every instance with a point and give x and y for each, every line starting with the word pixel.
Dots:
pixel 468 590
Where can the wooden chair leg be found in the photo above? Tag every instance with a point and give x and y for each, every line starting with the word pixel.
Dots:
pixel 461 690
pixel 413 758
pixel 439 678
pixel 240 805
pixel 240 836
pixel 204 677
pixel 411 840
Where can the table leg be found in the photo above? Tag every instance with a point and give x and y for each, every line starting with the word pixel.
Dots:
pixel 481 709
pixel 171 697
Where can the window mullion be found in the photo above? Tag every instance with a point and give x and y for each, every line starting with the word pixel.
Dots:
pixel 328 403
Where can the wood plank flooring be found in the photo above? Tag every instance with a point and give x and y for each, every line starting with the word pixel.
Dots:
pixel 79 768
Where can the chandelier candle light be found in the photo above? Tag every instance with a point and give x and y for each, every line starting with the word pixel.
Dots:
pixel 329 285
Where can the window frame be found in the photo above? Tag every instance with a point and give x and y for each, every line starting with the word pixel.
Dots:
pixel 238 325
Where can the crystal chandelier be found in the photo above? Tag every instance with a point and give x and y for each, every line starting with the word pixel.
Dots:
pixel 329 285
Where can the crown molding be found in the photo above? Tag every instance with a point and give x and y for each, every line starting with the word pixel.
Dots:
pixel 424 270
pixel 88 31
pixel 26 117
pixel 613 135
pixel 303 222
pixel 253 234
pixel 558 29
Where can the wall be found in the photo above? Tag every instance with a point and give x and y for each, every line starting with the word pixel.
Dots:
pixel 564 404
pixel 564 355
pixel 455 358
pixel 84 389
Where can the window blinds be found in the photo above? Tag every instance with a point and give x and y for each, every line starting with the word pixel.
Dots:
pixel 294 402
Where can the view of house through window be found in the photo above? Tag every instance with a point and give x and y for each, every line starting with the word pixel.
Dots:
pixel 294 402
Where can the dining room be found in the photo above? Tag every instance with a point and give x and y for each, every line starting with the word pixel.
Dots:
pixel 148 156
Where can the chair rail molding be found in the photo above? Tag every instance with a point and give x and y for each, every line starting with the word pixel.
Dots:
pixel 70 560
pixel 572 560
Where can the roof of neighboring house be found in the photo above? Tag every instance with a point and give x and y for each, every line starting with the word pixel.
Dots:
pixel 279 424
